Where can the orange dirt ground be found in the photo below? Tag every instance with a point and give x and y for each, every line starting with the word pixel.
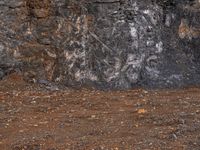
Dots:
pixel 33 118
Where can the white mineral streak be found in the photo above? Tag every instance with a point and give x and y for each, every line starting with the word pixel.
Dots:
pixel 51 54
pixel 80 54
pixel 59 26
pixel 79 75
pixel 159 47
pixel 133 30
pixel 117 64
pixel 78 24
pixel 154 57
pixel 17 54
pixel 91 76
pixel 68 56
pixel 150 43
pixel 28 32
pixel 151 15
pixel 134 60
pixel 84 41
pixel 147 12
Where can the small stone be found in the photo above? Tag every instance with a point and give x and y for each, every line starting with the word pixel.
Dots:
pixel 145 92
pixel 21 131
pixel 142 111
pixel 93 116
pixel 33 102
pixel 174 136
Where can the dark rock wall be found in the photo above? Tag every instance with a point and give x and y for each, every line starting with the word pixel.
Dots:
pixel 102 43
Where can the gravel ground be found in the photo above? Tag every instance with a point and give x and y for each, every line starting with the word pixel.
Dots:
pixel 32 117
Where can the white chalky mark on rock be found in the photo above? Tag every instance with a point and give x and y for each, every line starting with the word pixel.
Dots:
pixel 59 27
pixel 150 43
pixel 176 76
pixel 159 47
pixel 151 14
pixel 134 60
pixel 133 30
pixel 78 75
pixel 29 32
pixel 51 54
pixel 146 11
pixel 152 58
pixel 92 77
pixel 16 53
pixel 68 56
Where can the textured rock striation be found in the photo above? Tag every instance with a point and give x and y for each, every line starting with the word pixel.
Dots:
pixel 117 44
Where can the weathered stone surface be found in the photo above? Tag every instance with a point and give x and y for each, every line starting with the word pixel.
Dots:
pixel 106 44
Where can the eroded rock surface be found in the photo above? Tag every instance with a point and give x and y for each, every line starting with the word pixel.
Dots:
pixel 106 44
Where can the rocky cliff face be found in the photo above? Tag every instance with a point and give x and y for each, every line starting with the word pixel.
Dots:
pixel 102 43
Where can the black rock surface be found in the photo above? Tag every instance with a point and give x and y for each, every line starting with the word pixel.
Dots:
pixel 116 44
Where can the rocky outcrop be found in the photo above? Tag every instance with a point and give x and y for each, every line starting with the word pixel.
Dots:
pixel 102 43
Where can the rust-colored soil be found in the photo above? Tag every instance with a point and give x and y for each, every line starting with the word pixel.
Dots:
pixel 32 118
